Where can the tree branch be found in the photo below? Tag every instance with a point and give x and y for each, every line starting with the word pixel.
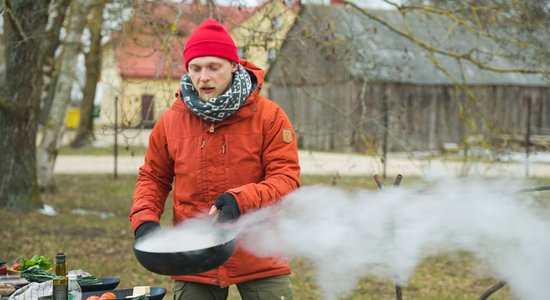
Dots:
pixel 13 19
pixel 5 105
pixel 492 290
pixel 433 49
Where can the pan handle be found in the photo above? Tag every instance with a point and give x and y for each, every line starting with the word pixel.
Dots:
pixel 536 189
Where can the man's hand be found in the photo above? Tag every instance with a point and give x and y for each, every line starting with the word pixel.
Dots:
pixel 227 206
pixel 144 228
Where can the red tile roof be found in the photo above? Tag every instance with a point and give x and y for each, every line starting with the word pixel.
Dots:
pixel 150 45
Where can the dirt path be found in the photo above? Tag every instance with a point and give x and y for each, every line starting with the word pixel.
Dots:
pixel 320 163
pixel 311 162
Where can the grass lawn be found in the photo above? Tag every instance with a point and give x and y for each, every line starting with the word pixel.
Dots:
pixel 103 246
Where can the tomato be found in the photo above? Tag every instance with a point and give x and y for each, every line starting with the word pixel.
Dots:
pixel 93 298
pixel 15 266
pixel 107 295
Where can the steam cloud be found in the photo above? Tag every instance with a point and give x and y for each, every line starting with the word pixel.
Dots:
pixel 350 235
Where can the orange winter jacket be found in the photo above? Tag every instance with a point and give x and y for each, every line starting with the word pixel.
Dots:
pixel 252 154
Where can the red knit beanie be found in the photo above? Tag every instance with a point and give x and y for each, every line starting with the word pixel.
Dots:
pixel 210 39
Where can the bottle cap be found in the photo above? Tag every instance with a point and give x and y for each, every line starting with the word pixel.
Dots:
pixel 60 258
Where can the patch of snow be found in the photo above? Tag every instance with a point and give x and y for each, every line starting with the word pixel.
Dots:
pixel 100 214
pixel 48 210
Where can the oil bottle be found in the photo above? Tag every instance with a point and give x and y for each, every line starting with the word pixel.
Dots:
pixel 60 282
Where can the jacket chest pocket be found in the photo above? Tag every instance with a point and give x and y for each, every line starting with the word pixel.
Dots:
pixel 244 154
pixel 185 152
pixel 213 165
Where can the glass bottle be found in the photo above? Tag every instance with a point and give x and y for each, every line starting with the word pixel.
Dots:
pixel 3 268
pixel 60 282
pixel 75 292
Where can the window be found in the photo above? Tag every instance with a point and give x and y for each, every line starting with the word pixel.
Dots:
pixel 147 111
pixel 242 52
pixel 271 55
pixel 276 23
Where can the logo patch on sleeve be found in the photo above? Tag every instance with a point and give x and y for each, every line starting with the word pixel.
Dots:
pixel 287 135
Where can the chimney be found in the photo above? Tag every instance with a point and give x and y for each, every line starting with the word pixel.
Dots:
pixel 295 5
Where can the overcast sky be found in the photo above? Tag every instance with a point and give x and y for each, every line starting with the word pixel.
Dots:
pixel 363 3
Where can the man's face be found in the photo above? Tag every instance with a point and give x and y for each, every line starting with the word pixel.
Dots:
pixel 211 75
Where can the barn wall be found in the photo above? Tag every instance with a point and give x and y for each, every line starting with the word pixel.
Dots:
pixel 354 115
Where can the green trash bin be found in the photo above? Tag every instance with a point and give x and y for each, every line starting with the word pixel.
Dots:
pixel 96 111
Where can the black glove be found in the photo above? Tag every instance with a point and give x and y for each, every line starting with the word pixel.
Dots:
pixel 229 209
pixel 144 228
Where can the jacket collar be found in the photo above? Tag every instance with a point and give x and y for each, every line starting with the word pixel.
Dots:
pixel 258 73
pixel 248 107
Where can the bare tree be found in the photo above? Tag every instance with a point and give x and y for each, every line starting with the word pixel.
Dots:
pixel 50 43
pixel 53 128
pixel 155 33
pixel 24 23
pixel 85 132
pixel 519 28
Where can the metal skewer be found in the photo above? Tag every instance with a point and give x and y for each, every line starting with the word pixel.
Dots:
pixel 398 180
pixel 398 292
pixel 379 184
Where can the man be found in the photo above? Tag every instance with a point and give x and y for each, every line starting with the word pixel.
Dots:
pixel 226 150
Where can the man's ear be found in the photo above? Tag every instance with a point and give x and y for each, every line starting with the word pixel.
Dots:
pixel 233 67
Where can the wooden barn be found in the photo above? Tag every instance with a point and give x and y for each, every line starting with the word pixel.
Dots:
pixel 348 83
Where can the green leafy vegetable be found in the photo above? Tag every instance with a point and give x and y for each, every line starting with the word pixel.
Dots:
pixel 89 280
pixel 38 260
pixel 35 274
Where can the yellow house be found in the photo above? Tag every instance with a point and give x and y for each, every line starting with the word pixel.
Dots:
pixel 260 36
pixel 142 64
pixel 141 93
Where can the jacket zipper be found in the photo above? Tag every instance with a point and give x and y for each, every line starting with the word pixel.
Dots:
pixel 211 129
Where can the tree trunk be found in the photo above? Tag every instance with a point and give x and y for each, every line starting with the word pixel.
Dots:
pixel 54 126
pixel 24 22
pixel 50 43
pixel 85 132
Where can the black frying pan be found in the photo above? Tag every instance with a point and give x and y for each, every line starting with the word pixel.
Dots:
pixel 190 261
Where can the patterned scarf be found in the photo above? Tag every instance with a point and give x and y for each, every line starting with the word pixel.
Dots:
pixel 223 106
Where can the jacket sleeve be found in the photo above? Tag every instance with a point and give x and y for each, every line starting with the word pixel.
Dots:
pixel 154 180
pixel 280 165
